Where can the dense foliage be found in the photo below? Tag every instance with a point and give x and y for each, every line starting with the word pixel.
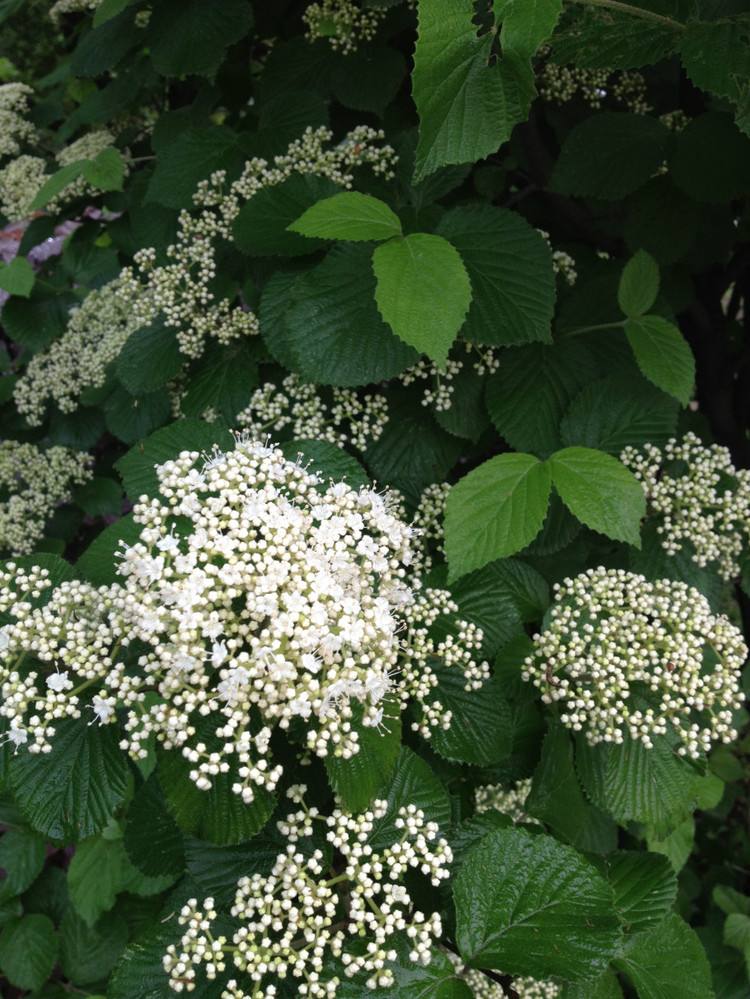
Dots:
pixel 374 503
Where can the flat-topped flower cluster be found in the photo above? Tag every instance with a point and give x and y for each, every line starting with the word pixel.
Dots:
pixel 626 656
pixel 258 595
pixel 701 499
pixel 303 916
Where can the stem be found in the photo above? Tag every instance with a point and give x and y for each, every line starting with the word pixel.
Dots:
pixel 593 329
pixel 337 880
pixel 626 8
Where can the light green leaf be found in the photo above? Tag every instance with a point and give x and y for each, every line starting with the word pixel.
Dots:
pixel 348 216
pixel 663 355
pixel 510 269
pixel 467 107
pixel 357 779
pixel 526 23
pixel 423 291
pixel 676 845
pixel 106 171
pixel 667 961
pixel 17 277
pixel 600 492
pixel 639 285
pixel 494 511
pixel 529 905
pixel 28 951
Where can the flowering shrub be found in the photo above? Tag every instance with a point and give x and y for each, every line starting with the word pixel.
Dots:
pixel 374 499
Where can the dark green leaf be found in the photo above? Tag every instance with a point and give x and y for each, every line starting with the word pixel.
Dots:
pixel 28 951
pixel 189 36
pixel 667 961
pixel 357 779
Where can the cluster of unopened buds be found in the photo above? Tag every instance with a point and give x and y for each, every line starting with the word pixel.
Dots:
pixel 338 415
pixel 627 657
pixel 343 23
pixel 279 597
pixel 37 480
pixel 180 290
pixel 441 378
pixel 508 800
pixel 701 500
pixel 303 916
pixel 484 986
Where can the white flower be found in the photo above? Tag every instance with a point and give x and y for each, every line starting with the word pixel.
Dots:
pixel 58 681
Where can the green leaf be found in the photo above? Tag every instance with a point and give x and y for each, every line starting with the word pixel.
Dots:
pixel 412 783
pixel 613 413
pixel 663 355
pixel 527 23
pixel 108 9
pixel 28 951
pixel 131 418
pixel 423 291
pixel 639 285
pixel 99 497
pixel 711 159
pixel 348 216
pixel 600 492
pixel 480 731
pixel 88 954
pixel 494 511
pixel 644 887
pixel 149 359
pixel 528 395
pixel 529 905
pixel 190 36
pixel 106 171
pixel 22 858
pixel 557 799
pixel 99 563
pixel 190 157
pixel 326 326
pixel 510 269
pixel 667 961
pixel 96 875
pixel 467 107
pixel 262 226
pixel 676 845
pixel 223 380
pixel 219 815
pixel 152 839
pixel 56 183
pixel 716 57
pixel 357 779
pixel 17 277
pixel 137 467
pixel 72 791
pixel 609 39
pixel 611 154
pixel 634 784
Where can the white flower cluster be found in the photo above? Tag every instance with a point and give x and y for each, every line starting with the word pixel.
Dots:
pixel 15 129
pixel 627 656
pixel 35 481
pixel 700 498
pixel 96 333
pixel 562 262
pixel 484 987
pixel 180 290
pixel 342 23
pixel 62 7
pixel 346 418
pixel 430 514
pixel 441 387
pixel 299 917
pixel 278 595
pixel 561 84
pixel 509 801
pixel 20 182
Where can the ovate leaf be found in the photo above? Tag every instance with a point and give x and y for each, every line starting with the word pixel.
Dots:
pixel 97 873
pixel 190 36
pixel 423 291
pixel 510 269
pixel 644 886
pixel 357 779
pixel 467 107
pixel 348 216
pixel 527 23
pixel 639 285
pixel 106 171
pixel 667 961
pixel 17 277
pixel 663 355
pixel 531 906
pixel 28 951
pixel 600 492
pixel 494 511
